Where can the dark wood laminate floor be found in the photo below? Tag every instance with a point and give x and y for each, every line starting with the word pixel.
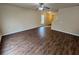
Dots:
pixel 38 41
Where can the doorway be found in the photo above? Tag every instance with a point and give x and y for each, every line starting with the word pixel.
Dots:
pixel 46 18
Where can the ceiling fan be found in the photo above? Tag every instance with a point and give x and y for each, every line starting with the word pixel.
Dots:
pixel 42 7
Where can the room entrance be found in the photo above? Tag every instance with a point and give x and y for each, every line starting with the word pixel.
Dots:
pixel 46 18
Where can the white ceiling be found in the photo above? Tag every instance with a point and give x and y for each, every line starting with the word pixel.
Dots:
pixel 51 5
pixel 62 5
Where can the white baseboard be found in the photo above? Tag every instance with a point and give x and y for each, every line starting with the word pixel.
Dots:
pixel 20 31
pixel 65 32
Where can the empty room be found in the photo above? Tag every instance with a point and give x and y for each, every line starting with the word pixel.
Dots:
pixel 39 28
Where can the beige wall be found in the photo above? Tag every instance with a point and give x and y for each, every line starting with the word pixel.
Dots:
pixel 67 20
pixel 15 19
pixel 0 23
pixel 0 20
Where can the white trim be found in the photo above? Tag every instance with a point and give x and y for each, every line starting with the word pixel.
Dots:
pixel 21 31
pixel 66 32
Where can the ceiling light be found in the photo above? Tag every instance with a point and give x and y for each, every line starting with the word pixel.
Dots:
pixel 41 8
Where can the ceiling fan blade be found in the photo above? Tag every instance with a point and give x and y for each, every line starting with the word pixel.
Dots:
pixel 46 7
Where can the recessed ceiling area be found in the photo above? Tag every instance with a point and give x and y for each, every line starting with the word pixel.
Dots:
pixel 35 6
pixel 51 5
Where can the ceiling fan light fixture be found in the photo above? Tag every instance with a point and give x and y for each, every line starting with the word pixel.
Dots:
pixel 41 8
